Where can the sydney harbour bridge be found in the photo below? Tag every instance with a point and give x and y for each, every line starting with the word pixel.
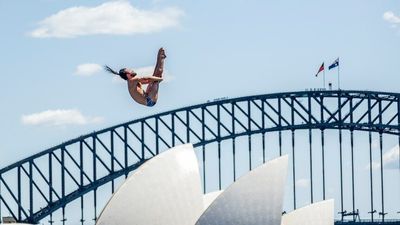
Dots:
pixel 337 142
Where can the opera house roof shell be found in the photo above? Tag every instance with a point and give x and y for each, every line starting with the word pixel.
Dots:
pixel 166 190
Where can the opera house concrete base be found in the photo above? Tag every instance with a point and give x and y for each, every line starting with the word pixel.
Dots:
pixel 166 190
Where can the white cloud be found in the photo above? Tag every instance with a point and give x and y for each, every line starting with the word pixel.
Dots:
pixel 392 18
pixel 88 69
pixel 59 117
pixel 146 71
pixel 116 17
pixel 303 183
pixel 167 77
pixel 390 160
pixel 375 166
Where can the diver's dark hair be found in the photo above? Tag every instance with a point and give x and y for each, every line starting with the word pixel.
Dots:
pixel 121 72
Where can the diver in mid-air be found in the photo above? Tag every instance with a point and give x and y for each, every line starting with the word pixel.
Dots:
pixel 150 96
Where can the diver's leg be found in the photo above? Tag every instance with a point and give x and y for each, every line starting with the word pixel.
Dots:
pixel 159 69
pixel 152 90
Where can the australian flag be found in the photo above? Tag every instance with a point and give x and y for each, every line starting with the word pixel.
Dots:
pixel 334 64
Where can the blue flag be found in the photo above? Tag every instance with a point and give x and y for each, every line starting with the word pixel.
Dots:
pixel 334 64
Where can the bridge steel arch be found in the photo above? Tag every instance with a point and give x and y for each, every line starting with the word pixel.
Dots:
pixel 38 186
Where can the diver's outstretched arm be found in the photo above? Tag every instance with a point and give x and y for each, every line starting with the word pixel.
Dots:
pixel 147 80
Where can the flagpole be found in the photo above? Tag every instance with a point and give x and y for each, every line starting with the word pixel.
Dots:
pixel 324 78
pixel 338 73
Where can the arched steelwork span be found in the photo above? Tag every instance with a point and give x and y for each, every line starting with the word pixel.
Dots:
pixel 38 186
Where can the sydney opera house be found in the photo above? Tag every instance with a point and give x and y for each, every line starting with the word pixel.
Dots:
pixel 166 190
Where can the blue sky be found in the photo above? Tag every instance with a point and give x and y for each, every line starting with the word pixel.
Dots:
pixel 52 89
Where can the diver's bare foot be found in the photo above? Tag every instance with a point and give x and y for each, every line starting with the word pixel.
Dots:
pixel 161 54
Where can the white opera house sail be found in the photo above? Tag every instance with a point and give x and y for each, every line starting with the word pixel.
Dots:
pixel 166 190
